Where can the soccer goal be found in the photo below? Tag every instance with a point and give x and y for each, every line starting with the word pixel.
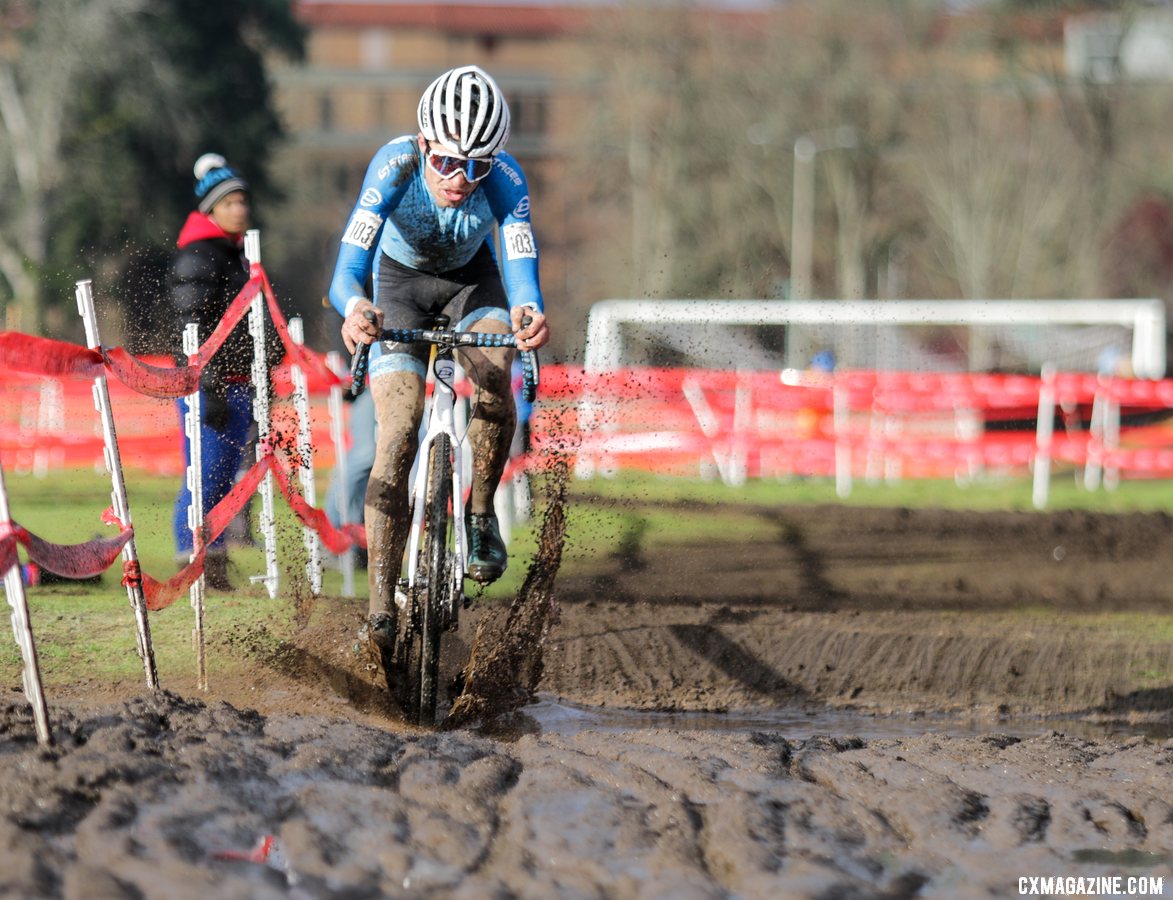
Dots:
pixel 751 380
pixel 905 335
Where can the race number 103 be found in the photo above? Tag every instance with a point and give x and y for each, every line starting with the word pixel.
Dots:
pixel 518 238
pixel 363 229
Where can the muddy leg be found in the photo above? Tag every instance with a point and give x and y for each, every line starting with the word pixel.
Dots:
pixel 399 404
pixel 494 420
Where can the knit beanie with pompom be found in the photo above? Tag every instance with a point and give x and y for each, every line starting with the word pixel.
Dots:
pixel 215 180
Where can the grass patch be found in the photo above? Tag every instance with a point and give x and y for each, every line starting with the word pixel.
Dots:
pixel 90 629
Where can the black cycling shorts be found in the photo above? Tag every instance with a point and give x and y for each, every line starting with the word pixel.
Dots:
pixel 410 298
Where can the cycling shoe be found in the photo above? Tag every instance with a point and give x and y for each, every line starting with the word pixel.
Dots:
pixel 487 557
pixel 379 632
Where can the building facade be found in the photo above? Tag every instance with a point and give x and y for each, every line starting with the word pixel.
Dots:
pixel 366 65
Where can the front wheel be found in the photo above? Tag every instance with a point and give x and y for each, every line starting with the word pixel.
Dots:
pixel 435 568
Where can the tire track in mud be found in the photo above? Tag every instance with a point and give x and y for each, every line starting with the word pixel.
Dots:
pixel 707 657
pixel 667 665
pixel 622 661
pixel 163 796
pixel 710 815
pixel 583 824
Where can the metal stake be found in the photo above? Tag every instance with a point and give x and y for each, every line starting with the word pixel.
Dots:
pixel 192 425
pixel 134 588
pixel 260 373
pixel 22 630
pixel 305 457
pixel 338 437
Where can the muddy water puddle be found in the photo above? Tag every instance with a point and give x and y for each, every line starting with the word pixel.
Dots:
pixel 554 716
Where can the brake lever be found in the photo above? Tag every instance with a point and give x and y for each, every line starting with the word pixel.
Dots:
pixel 358 362
pixel 529 364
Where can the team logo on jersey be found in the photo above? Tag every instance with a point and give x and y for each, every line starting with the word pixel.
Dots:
pixel 509 171
pixel 371 197
pixel 396 162
pixel 522 208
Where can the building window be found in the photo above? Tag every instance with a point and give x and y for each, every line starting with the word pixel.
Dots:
pixel 527 114
pixel 380 112
pixel 326 111
pixel 375 49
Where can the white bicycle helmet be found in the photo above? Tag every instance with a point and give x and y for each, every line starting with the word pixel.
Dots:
pixel 465 111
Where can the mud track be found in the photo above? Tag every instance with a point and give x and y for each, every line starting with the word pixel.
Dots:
pixel 1009 618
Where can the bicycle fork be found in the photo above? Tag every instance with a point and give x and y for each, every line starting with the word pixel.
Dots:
pixel 441 420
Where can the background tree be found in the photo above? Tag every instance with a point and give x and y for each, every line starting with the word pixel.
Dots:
pixel 47 49
pixel 696 130
pixel 981 167
pixel 96 146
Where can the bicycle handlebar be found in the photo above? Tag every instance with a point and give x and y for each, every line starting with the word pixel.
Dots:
pixel 449 340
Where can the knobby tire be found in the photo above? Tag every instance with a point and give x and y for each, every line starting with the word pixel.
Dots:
pixel 404 674
pixel 434 556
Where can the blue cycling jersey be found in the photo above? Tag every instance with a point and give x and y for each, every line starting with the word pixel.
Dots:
pixel 397 215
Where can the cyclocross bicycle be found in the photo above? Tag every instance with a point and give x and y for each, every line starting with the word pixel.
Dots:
pixel 432 594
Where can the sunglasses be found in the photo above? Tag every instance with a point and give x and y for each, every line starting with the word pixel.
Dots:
pixel 447 166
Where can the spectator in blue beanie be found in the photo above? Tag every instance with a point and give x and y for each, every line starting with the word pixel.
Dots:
pixel 207 273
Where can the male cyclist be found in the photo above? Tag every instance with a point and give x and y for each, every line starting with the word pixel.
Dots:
pixel 422 232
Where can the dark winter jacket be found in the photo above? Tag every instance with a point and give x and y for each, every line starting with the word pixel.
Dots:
pixel 207 273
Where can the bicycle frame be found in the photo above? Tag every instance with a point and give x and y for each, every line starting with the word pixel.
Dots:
pixel 441 420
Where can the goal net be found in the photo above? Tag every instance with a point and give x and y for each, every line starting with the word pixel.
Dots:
pixel 742 387
pixel 1021 336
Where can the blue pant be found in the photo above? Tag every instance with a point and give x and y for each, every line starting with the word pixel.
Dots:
pixel 360 458
pixel 221 453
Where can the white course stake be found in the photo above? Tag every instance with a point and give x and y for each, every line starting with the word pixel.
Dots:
pixel 192 420
pixel 22 630
pixel 50 420
pixel 1111 441
pixel 338 438
pixel 134 589
pixel 1044 431
pixel 840 423
pixel 1094 467
pixel 260 372
pixel 305 459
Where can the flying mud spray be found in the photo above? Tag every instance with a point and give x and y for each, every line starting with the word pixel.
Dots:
pixel 505 663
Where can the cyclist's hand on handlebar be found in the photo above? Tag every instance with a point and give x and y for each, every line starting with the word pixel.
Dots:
pixel 357 328
pixel 531 335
